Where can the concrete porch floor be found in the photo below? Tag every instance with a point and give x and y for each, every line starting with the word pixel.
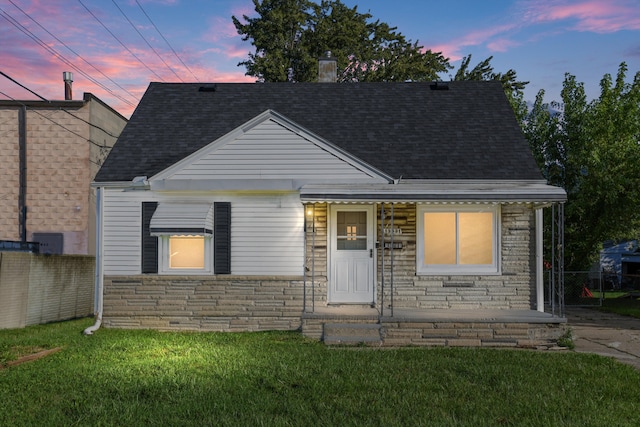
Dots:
pixel 432 315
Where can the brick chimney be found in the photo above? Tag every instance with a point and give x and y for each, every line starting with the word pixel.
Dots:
pixel 67 76
pixel 327 68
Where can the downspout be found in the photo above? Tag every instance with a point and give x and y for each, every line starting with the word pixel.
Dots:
pixel 99 282
pixel 539 261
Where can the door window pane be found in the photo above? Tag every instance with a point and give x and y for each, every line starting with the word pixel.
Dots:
pixel 352 230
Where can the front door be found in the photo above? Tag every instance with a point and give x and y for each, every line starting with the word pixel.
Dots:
pixel 352 259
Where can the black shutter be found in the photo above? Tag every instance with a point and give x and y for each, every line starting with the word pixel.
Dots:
pixel 222 237
pixel 149 242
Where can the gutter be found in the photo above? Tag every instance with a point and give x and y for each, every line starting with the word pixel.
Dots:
pixel 99 281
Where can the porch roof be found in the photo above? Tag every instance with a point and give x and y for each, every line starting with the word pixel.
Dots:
pixel 436 191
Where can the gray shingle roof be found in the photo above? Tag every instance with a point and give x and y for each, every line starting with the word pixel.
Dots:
pixel 403 129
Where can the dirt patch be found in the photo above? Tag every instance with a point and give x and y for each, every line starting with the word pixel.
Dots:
pixel 29 357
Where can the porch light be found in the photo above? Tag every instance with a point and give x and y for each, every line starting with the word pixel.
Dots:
pixel 309 218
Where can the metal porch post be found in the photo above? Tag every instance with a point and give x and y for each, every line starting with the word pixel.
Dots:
pixel 381 247
pixel 393 232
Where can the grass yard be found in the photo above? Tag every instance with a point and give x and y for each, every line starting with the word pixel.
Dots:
pixel 132 378
pixel 622 304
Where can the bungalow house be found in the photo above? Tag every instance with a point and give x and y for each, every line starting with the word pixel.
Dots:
pixel 398 213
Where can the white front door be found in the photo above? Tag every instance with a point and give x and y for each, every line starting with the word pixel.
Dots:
pixel 352 258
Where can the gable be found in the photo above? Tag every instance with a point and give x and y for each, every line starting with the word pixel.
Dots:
pixel 268 151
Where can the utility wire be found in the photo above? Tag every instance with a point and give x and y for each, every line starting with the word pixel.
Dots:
pixel 72 51
pixel 22 86
pixel 122 44
pixel 60 108
pixel 145 40
pixel 53 52
pixel 101 146
pixel 167 41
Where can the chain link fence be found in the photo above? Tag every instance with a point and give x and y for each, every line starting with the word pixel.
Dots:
pixel 622 282
pixel 583 288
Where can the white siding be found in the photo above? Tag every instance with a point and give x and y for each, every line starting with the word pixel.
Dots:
pixel 122 232
pixel 267 236
pixel 269 151
pixel 266 231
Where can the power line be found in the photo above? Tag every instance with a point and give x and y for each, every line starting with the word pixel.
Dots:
pixel 60 108
pixel 72 51
pixel 145 40
pixel 55 53
pixel 167 41
pixel 21 85
pixel 122 44
pixel 101 146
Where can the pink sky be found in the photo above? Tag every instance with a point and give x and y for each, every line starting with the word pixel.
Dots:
pixel 541 40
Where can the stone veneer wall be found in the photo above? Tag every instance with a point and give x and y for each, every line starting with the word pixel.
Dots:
pixel 213 303
pixel 316 256
pixel 513 289
pixel 512 332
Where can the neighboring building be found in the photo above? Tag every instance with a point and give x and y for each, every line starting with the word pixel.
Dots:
pixel 620 265
pixel 284 206
pixel 59 147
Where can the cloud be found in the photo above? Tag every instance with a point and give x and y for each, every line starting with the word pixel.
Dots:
pixel 501 45
pixel 219 29
pixel 598 16
pixel 486 36
pixel 633 52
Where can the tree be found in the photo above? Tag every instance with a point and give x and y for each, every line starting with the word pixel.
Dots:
pixel 592 150
pixel 290 35
pixel 513 88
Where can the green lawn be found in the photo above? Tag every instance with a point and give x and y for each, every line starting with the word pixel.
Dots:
pixel 132 378
pixel 622 304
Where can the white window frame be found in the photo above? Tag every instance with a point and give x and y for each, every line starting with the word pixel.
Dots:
pixel 164 262
pixel 457 269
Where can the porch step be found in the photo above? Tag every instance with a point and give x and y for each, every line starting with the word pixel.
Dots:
pixel 351 333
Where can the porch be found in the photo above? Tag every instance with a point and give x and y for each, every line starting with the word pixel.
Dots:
pixel 502 308
pixel 362 325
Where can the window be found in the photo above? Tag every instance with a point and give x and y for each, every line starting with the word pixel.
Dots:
pixel 182 238
pixel 352 230
pixel 458 240
pixel 186 254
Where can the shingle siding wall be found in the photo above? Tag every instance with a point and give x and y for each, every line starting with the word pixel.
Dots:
pixel 9 170
pixel 37 289
pixel 63 152
pixel 58 176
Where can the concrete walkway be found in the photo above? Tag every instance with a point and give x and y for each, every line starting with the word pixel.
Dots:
pixel 605 334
